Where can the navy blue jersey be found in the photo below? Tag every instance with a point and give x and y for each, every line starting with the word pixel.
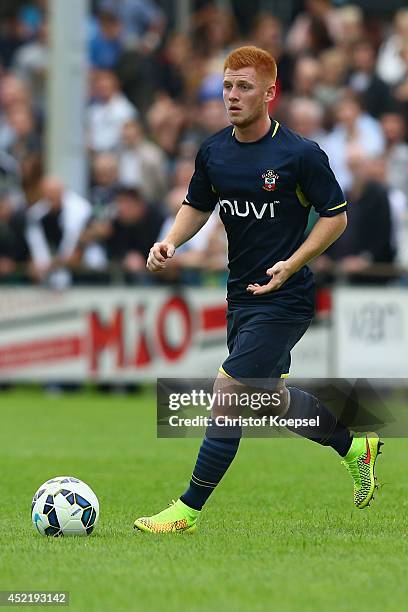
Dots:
pixel 264 190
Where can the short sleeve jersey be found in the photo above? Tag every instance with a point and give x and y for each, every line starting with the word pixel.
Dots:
pixel 265 190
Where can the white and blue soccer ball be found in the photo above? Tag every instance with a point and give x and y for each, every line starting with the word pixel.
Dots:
pixel 64 506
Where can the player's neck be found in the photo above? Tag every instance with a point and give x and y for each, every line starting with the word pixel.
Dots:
pixel 253 132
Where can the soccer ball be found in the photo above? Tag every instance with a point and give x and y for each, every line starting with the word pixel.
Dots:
pixel 64 506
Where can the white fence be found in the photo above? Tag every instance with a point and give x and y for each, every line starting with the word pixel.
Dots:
pixel 139 334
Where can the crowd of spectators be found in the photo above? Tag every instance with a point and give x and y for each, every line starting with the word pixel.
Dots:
pixel 155 94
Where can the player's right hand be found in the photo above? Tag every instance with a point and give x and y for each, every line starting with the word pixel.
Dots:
pixel 159 252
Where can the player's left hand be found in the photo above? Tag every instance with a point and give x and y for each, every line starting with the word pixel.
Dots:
pixel 279 274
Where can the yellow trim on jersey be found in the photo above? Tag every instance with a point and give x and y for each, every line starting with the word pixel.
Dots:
pixel 233 132
pixel 221 369
pixel 336 207
pixel 301 197
pixel 275 128
pixel 285 375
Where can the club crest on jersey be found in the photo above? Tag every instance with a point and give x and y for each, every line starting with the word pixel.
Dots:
pixel 270 177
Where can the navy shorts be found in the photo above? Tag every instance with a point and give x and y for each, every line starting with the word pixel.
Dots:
pixel 259 345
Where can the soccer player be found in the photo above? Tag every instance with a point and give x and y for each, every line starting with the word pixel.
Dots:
pixel 264 178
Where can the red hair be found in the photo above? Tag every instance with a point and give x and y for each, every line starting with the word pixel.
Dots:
pixel 262 61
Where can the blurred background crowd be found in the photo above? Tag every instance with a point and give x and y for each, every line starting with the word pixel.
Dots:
pixel 155 93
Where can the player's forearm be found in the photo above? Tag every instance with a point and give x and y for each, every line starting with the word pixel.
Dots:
pixel 325 232
pixel 187 223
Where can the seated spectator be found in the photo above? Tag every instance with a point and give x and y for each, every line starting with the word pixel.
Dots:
pixel 125 239
pixel 306 76
pixel 209 116
pixel 107 113
pixel 54 225
pixel 105 46
pixel 164 132
pixel 374 93
pixel 105 184
pixel 395 132
pixel 142 164
pixel 367 239
pixel 333 69
pixel 306 118
pixel 13 245
pixel 352 127
pixel 182 172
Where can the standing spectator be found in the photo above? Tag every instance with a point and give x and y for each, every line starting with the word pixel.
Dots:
pixel 12 36
pixel 105 46
pixel 54 227
pixel 314 29
pixel 142 20
pixel 13 93
pixel 105 184
pixel 30 63
pixel 395 132
pixel 172 64
pixel 10 179
pixel 125 240
pixel 142 164
pixel 267 34
pixel 350 27
pixel 400 92
pixel 26 140
pixel 108 113
pixel 374 93
pixel 368 237
pixel 377 171
pixel 13 246
pixel 390 65
pixel 353 127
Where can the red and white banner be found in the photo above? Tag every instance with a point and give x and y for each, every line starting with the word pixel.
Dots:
pixel 110 334
pixel 124 335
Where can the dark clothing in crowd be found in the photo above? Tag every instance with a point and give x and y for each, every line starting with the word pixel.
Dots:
pixel 368 232
pixel 375 94
pixel 136 237
pixel 52 227
pixel 12 238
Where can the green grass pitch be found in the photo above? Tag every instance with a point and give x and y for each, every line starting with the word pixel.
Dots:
pixel 280 533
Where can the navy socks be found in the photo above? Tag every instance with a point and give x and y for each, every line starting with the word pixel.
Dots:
pixel 303 405
pixel 214 458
